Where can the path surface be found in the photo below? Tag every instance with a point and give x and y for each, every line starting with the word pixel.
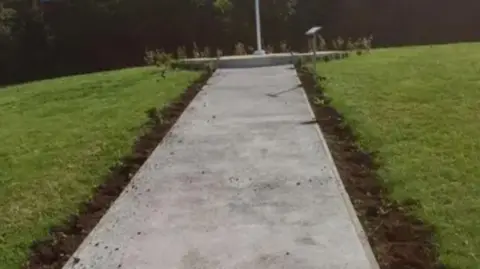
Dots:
pixel 239 183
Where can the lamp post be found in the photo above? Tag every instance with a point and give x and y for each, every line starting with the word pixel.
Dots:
pixel 259 50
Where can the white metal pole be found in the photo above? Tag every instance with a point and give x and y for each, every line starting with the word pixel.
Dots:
pixel 258 24
pixel 314 48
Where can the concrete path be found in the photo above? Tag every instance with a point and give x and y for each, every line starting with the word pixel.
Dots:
pixel 239 183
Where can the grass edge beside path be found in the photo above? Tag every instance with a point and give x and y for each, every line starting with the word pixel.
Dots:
pixel 62 137
pixel 418 108
pixel 384 223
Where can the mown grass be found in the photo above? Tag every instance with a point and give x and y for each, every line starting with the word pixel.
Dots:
pixel 59 138
pixel 419 107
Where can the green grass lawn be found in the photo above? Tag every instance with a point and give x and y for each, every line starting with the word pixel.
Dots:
pixel 420 108
pixel 59 137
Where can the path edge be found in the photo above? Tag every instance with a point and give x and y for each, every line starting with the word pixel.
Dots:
pixel 66 239
pixel 367 248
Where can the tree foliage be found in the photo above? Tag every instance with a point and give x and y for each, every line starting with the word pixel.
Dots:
pixel 67 36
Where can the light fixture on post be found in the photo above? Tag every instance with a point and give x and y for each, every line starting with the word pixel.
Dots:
pixel 259 50
pixel 312 33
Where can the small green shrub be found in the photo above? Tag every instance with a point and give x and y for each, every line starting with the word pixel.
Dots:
pixel 219 53
pixel 350 46
pixel 181 53
pixel 240 49
pixel 206 52
pixel 322 44
pixel 284 47
pixel 160 59
pixel 270 49
pixel 358 46
pixel 368 43
pixel 195 51
pixel 340 43
pixel 335 45
pixel 149 57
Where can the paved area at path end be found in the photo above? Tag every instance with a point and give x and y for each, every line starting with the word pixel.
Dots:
pixel 239 183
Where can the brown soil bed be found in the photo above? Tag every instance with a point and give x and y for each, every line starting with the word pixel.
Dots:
pixel 399 241
pixel 53 253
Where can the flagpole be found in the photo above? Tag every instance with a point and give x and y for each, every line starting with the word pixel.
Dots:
pixel 259 50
